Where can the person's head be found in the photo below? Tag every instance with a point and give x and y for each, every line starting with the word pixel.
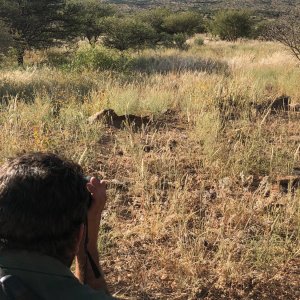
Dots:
pixel 43 204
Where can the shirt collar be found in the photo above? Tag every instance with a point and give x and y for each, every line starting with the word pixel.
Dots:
pixel 33 262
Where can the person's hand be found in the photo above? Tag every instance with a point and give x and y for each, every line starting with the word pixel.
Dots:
pixel 98 190
pixel 84 270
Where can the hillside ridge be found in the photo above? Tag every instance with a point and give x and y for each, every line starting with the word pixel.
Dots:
pixel 208 5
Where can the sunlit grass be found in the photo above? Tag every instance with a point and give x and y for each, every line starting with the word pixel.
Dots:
pixel 193 218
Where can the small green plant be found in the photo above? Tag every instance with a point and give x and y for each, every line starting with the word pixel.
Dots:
pixel 99 58
pixel 199 41
pixel 179 41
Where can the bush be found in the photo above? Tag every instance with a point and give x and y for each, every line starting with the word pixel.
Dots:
pixel 231 24
pixel 179 41
pixel 259 29
pixel 128 33
pixel 183 22
pixel 6 40
pixel 58 58
pixel 199 41
pixel 154 17
pixel 99 58
pixel 9 58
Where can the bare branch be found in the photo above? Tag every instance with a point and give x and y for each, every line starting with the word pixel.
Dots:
pixel 286 30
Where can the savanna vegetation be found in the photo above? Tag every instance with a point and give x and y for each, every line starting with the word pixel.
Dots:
pixel 203 199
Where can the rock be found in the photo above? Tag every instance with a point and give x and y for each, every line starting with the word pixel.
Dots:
pixel 225 183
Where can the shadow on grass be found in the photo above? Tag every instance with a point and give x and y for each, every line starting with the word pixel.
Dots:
pixel 176 63
pixel 28 91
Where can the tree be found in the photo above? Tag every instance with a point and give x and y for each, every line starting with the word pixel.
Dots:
pixel 286 30
pixel 178 27
pixel 154 17
pixel 33 24
pixel 231 24
pixel 86 17
pixel 126 33
pixel 183 22
pixel 172 29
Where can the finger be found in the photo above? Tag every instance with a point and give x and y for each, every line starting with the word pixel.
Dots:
pixel 92 189
pixel 95 184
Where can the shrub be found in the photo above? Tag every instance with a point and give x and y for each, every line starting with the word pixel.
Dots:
pixel 231 24
pixel 183 22
pixel 260 29
pixel 99 58
pixel 128 33
pixel 179 41
pixel 58 58
pixel 6 40
pixel 155 18
pixel 199 41
pixel 9 58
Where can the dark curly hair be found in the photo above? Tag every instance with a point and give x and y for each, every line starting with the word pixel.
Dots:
pixel 43 202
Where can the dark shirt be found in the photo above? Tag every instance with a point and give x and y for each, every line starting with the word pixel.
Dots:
pixel 47 277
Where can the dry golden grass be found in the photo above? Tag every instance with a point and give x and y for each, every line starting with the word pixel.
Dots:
pixel 198 215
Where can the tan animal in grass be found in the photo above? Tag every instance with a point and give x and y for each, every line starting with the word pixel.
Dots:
pixel 110 118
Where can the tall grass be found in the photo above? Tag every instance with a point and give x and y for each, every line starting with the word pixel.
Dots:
pixel 201 215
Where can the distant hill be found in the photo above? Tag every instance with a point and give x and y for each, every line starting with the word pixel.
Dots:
pixel 265 6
